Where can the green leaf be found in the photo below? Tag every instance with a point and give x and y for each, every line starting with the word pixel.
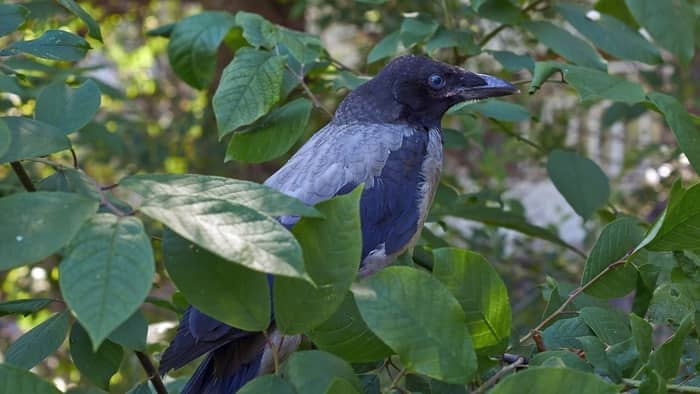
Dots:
pixel 30 138
pixel 512 61
pixel 66 108
pixel 336 238
pixel 132 333
pixel 641 334
pixel 228 292
pixel 107 273
pixel 249 87
pixel 679 120
pixel 666 359
pixel 253 195
pixel 416 29
pixel 615 241
pixel 569 359
pixel 74 8
pixel 230 230
pixel 162 31
pixel 302 48
pixel 24 307
pixel 41 223
pixel 71 180
pixel 565 333
pixel 418 317
pixel 611 326
pixel 653 383
pixel 595 352
pixel 268 384
pixel 52 45
pixel 17 380
pixel 271 136
pixel 258 31
pixel 193 44
pixel 503 11
pixel 671 23
pixel 388 46
pixel 551 380
pixel 5 136
pixel 12 16
pixel 617 9
pixel 679 226
pixel 482 294
pixel 444 38
pixel 579 180
pixel 566 44
pixel 610 34
pixel 96 365
pixel 593 85
pixel 495 109
pixel 312 371
pixel 346 335
pixel 39 342
pixel 670 303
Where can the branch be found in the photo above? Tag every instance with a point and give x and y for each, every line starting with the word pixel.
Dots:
pixel 151 372
pixel 308 91
pixel 573 296
pixel 23 176
pixel 672 388
pixel 498 375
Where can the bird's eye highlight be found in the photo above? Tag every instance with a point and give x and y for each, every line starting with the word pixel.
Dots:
pixel 436 81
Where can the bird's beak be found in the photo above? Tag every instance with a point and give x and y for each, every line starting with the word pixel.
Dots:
pixel 493 87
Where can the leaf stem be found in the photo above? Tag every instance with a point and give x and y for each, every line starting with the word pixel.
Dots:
pixel 24 178
pixel 672 388
pixel 500 374
pixel 517 136
pixel 573 296
pixel 151 372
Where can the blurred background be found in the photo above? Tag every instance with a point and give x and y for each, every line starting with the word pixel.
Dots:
pixel 150 121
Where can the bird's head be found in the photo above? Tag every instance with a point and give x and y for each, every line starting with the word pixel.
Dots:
pixel 419 90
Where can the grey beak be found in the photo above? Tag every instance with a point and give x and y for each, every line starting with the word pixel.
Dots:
pixel 494 87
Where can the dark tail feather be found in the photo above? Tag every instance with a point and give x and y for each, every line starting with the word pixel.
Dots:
pixel 205 379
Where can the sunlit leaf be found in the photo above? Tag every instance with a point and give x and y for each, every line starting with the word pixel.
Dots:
pixel 74 8
pixel 551 381
pixel 24 307
pixel 258 31
pixel 52 45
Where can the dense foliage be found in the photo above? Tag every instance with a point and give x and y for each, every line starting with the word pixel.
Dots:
pixel 440 320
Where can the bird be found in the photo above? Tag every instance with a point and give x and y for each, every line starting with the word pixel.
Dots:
pixel 384 135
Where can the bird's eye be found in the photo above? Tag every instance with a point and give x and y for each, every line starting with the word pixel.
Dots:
pixel 436 81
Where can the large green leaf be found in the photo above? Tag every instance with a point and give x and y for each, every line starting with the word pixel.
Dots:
pixel 249 87
pixel 228 292
pixel 107 273
pixel 17 380
pixel 670 302
pixel 39 225
pixel 671 23
pixel 415 29
pixel 66 108
pixel 565 333
pixel 71 180
pixel 566 44
pixel 253 195
pixel 579 179
pixel 332 249
pixel 610 34
pixel 93 27
pixel 666 359
pixel 388 46
pixel 641 332
pixel 687 133
pixel 12 16
pixel 482 294
pixel 346 335
pixel 609 325
pixel 271 136
pixel 31 138
pixel 52 45
pixel 418 317
pixel 24 307
pixel 39 342
pixel 312 371
pixel 495 109
pixel 193 45
pixel 544 380
pixel 614 242
pixel 97 365
pixel 258 31
pixel 132 333
pixel 678 227
pixel 268 384
pixel 230 230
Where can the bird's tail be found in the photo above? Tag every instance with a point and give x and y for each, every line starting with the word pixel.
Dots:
pixel 205 379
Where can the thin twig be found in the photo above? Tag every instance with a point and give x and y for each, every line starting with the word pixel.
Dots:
pixel 23 176
pixel 672 388
pixel 519 137
pixel 395 382
pixel 151 372
pixel 498 375
pixel 573 296
pixel 75 158
pixel 313 98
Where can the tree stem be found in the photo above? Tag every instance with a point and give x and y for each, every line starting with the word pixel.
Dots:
pixel 151 372
pixel 23 176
